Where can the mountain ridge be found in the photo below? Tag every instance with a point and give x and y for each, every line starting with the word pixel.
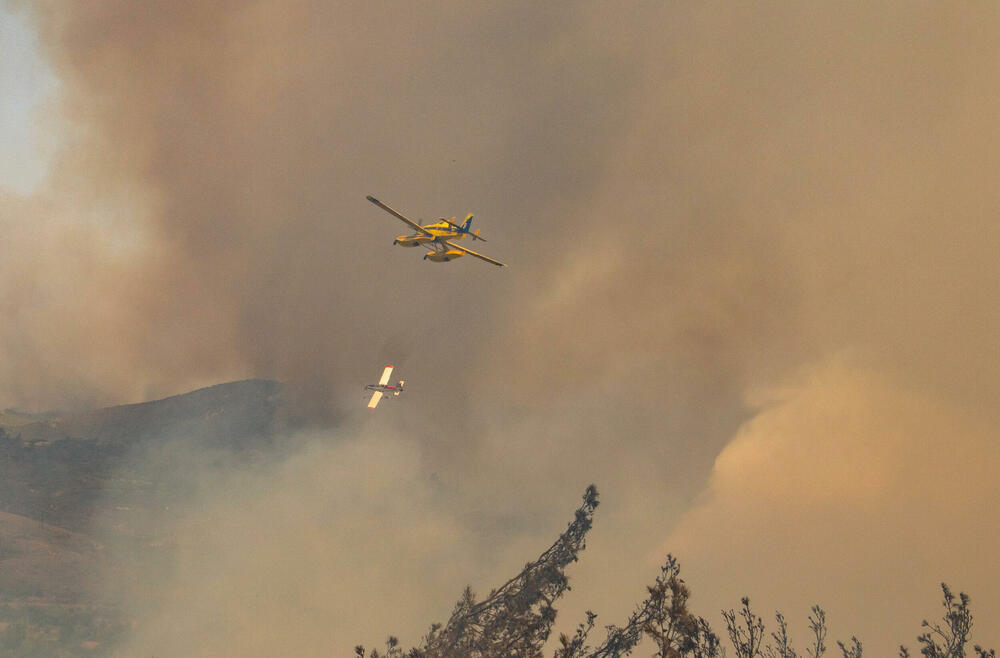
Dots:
pixel 136 421
pixel 65 471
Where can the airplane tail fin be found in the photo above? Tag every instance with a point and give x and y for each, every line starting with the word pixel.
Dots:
pixel 468 223
pixel 401 382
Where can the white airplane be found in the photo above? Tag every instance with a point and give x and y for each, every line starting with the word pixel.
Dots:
pixel 383 388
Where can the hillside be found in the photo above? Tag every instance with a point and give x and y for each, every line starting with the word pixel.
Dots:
pixel 49 578
pixel 234 411
pixel 80 494
pixel 15 418
pixel 46 562
pixel 65 470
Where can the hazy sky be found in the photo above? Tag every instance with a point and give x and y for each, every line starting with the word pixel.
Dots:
pixel 753 295
pixel 26 82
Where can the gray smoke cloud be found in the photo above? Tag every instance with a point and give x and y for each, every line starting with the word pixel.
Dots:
pixel 702 208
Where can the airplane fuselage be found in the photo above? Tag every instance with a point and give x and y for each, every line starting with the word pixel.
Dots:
pixel 388 389
pixel 437 234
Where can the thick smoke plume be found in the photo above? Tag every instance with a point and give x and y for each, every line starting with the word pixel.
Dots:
pixel 760 237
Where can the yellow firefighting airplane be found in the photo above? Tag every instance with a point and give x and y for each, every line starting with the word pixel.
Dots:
pixel 440 236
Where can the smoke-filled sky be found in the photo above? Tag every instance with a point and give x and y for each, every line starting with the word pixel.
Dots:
pixel 753 294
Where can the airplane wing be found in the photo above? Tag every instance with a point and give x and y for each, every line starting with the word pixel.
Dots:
pixel 452 245
pixel 385 376
pixel 376 396
pixel 417 227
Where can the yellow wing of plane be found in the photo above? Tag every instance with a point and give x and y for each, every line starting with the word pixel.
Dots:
pixel 452 245
pixel 417 227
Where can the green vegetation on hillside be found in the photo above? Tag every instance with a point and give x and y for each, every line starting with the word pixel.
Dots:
pixel 56 631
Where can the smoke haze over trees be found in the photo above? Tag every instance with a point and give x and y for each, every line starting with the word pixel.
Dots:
pixel 515 620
